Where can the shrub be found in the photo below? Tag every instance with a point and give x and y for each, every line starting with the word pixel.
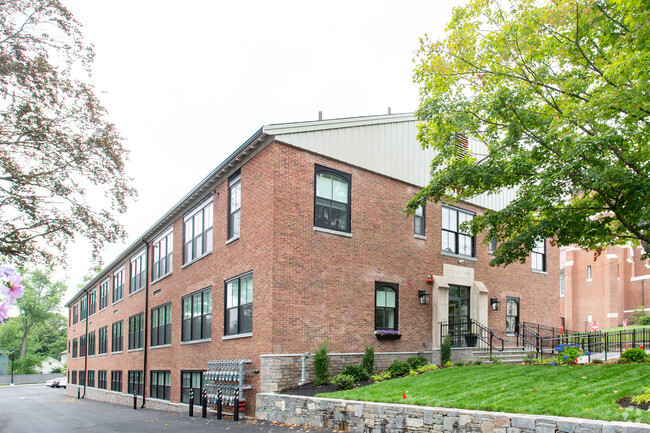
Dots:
pixel 634 355
pixel 568 354
pixel 645 320
pixel 496 361
pixel 531 358
pixel 417 362
pixel 448 364
pixel 359 373
pixel 368 361
pixel 459 363
pixel 343 381
pixel 641 398
pixel 445 350
pixel 399 368
pixel 57 370
pixel 322 365
pixel 596 361
pixel 381 376
pixel 640 316
pixel 425 368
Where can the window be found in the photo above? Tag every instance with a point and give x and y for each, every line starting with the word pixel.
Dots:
pixel 161 325
pixel 160 385
pixel 138 272
pixel 386 306
pixel 197 315
pixel 191 380
pixel 91 343
pixel 163 249
pixel 418 228
pixel 83 309
pixel 136 331
pixel 91 378
pixel 92 302
pixel 538 256
pixel 332 199
pixel 74 347
pixel 116 380
pixel 118 285
pixel 101 379
pixel 103 295
pixel 116 337
pixel 455 240
pixel 459 325
pixel 239 305
pixel 73 378
pixel 562 287
pixel 234 206
pixel 589 272
pixel 492 246
pixel 103 340
pixel 135 382
pixel 512 315
pixel 198 232
pixel 82 378
pixel 82 346
pixel 75 314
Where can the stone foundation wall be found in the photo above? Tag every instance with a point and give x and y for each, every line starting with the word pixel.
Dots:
pixel 127 399
pixel 368 417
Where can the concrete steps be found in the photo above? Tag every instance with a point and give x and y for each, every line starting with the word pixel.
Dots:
pixel 509 355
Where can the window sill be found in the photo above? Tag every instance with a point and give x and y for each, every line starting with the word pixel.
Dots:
pixel 231 240
pixel 589 280
pixel 117 353
pixel 137 291
pixel 118 301
pixel 102 309
pixel 135 350
pixel 160 346
pixel 458 256
pixel 102 354
pixel 235 336
pixel 424 238
pixel 536 271
pixel 333 232
pixel 160 278
pixel 204 340
pixel 196 259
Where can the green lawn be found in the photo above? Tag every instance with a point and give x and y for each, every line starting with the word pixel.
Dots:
pixel 584 391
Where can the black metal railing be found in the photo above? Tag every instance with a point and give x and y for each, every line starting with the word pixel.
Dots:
pixel 603 341
pixel 470 333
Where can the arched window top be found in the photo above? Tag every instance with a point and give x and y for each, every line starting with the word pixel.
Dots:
pixel 332 199
pixel 386 306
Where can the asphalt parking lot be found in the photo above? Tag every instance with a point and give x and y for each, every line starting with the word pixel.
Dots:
pixel 37 408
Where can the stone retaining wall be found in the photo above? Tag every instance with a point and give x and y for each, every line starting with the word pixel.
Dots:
pixel 368 417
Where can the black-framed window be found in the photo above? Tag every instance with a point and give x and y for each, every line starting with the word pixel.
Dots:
pixel 239 305
pixel 386 305
pixel 116 380
pixel 161 385
pixel 138 272
pixel 91 378
pixel 161 325
pixel 454 239
pixel 135 382
pixel 75 314
pixel 136 331
pixel 418 221
pixel 103 294
pixel 163 252
pixel 82 378
pixel 191 380
pixel 492 245
pixel 197 315
pixel 512 315
pixel 101 379
pixel 332 196
pixel 91 343
pixel 92 302
pixel 118 285
pixel 73 377
pixel 538 256
pixel 234 206
pixel 83 309
pixel 103 340
pixel 74 347
pixel 197 236
pixel 82 346
pixel 116 337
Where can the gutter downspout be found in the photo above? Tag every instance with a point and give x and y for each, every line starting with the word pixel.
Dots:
pixel 86 349
pixel 146 319
pixel 303 373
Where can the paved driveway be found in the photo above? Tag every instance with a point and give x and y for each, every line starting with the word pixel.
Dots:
pixel 37 408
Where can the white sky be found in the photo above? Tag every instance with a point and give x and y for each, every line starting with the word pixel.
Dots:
pixel 187 82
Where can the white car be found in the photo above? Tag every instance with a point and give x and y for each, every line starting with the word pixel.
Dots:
pixel 59 382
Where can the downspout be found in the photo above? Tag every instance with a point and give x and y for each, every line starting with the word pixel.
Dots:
pixel 86 349
pixel 146 319
pixel 303 373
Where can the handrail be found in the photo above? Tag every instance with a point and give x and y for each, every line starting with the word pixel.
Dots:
pixel 472 331
pixel 537 345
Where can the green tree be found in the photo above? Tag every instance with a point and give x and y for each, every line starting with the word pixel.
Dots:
pixel 558 91
pixel 56 147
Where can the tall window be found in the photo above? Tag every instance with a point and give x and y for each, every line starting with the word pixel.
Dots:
pixel 163 251
pixel 161 385
pixel 103 294
pixel 82 378
pixel 136 331
pixel 116 380
pixel 538 256
pixel 118 285
pixel 512 315
pixel 75 314
pixel 135 382
pixel 83 309
pixel 91 343
pixel 197 315
pixel 234 206
pixel 74 347
pixel 386 306
pixel 138 272
pixel 459 320
pixel 91 378
pixel 332 199
pixel 589 272
pixel 492 246
pixel 116 337
pixel 198 232
pixel 101 379
pixel 418 228
pixel 73 378
pixel 82 346
pixel 454 239
pixel 191 380
pixel 239 305
pixel 103 340
pixel 92 302
pixel 161 325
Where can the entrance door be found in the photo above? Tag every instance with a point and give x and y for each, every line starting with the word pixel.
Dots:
pixel 512 315
pixel 459 324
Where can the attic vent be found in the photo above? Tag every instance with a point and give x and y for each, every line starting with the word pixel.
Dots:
pixel 462 145
pixel 320 115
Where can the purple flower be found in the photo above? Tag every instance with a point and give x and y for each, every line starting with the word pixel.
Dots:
pixel 587 353
pixel 566 356
pixel 561 345
pixel 4 312
pixel 553 363
pixel 13 290
pixel 7 271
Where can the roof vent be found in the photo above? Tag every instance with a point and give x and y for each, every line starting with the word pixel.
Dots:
pixel 388 110
pixel 320 115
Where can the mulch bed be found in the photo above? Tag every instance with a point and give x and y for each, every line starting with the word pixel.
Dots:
pixel 627 402
pixel 310 389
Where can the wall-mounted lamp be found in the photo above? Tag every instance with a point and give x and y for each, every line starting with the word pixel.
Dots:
pixel 425 297
pixel 496 304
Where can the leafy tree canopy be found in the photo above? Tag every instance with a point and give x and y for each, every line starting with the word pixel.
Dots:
pixel 559 92
pixel 57 148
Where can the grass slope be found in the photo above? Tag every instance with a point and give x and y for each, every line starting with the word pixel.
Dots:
pixel 583 391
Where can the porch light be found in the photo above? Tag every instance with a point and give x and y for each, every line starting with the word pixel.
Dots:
pixel 425 297
pixel 496 304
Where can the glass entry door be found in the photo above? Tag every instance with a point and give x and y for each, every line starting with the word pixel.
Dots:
pixel 459 323
pixel 512 315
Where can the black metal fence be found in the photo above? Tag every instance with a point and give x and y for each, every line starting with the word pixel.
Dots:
pixel 469 333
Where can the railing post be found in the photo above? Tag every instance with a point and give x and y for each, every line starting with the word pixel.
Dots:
pixel 634 338
pixel 620 339
pixel 606 345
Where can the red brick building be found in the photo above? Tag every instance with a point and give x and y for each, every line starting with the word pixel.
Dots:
pixel 296 237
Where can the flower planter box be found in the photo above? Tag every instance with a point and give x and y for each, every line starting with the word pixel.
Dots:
pixel 388 336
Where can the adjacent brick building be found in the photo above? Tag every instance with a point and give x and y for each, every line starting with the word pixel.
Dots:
pixel 296 237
